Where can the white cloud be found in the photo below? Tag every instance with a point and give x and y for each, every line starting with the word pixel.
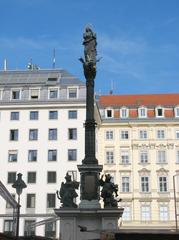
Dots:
pixel 29 43
pixel 122 46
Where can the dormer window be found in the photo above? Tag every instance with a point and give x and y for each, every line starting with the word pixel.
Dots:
pixel 34 93
pixel 124 112
pixel 53 93
pixel 72 93
pixel 177 111
pixel 15 94
pixel 159 112
pixel 142 112
pixel 1 91
pixel 109 113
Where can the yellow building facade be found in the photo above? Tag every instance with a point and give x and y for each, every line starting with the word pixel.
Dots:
pixel 138 144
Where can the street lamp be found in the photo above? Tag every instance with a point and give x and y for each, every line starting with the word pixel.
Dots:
pixel 18 185
pixel 175 201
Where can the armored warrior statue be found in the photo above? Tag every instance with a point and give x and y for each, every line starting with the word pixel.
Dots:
pixel 67 192
pixel 108 191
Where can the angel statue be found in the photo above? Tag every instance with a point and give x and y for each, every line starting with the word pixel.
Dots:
pixel 67 192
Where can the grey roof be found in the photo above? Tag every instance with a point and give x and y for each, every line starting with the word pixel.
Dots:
pixel 38 77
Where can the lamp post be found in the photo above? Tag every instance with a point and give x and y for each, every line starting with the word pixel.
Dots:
pixel 175 201
pixel 19 185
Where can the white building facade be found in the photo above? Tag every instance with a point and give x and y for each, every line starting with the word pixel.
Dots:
pixel 42 113
pixel 138 144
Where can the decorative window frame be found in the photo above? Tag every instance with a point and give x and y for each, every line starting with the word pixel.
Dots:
pixel 139 112
pixel 126 110
pixel 1 93
pixel 34 88
pixel 77 92
pixel 51 88
pixel 20 94
pixel 108 161
pixel 156 112
pixel 108 131
pixel 112 112
pixel 176 111
pixel 146 205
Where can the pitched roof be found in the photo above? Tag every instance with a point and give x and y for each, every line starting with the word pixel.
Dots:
pixel 139 100
pixel 26 77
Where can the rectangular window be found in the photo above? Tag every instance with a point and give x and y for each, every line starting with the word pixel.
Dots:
pixel 142 112
pixel 34 115
pixel 159 112
pixel 8 205
pixel 29 229
pixel 8 227
pixel 124 134
pixel 14 115
pixel 33 134
pixel 177 134
pixel 163 184
pixel 50 230
pixel 110 157
pixel 11 177
pixel 52 134
pixel 163 213
pixel 177 112
pixel 1 93
pixel 123 112
pixel 30 200
pixel 125 184
pixel 160 134
pixel 126 216
pixel 72 114
pixel 31 177
pixel 109 113
pixel 124 156
pixel 51 200
pixel 161 156
pixel 73 174
pixel 72 133
pixel 144 184
pixel 72 93
pixel 143 156
pixel 177 156
pixel 12 156
pixel 109 135
pixel 51 177
pixel 52 155
pixel 53 93
pixel 143 134
pixel 34 93
pixel 145 213
pixel 72 154
pixel 53 115
pixel 32 155
pixel 14 134
pixel 15 94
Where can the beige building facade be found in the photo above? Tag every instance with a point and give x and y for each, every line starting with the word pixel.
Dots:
pixel 138 144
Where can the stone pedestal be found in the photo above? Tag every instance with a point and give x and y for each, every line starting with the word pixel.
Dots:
pixel 92 221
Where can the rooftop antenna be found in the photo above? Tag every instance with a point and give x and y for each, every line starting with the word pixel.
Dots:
pixel 5 64
pixel 112 88
pixel 54 56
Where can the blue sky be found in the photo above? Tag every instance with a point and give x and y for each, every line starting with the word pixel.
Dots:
pixel 138 40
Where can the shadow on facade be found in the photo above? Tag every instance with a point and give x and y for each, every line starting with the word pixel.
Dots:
pixel 8 237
